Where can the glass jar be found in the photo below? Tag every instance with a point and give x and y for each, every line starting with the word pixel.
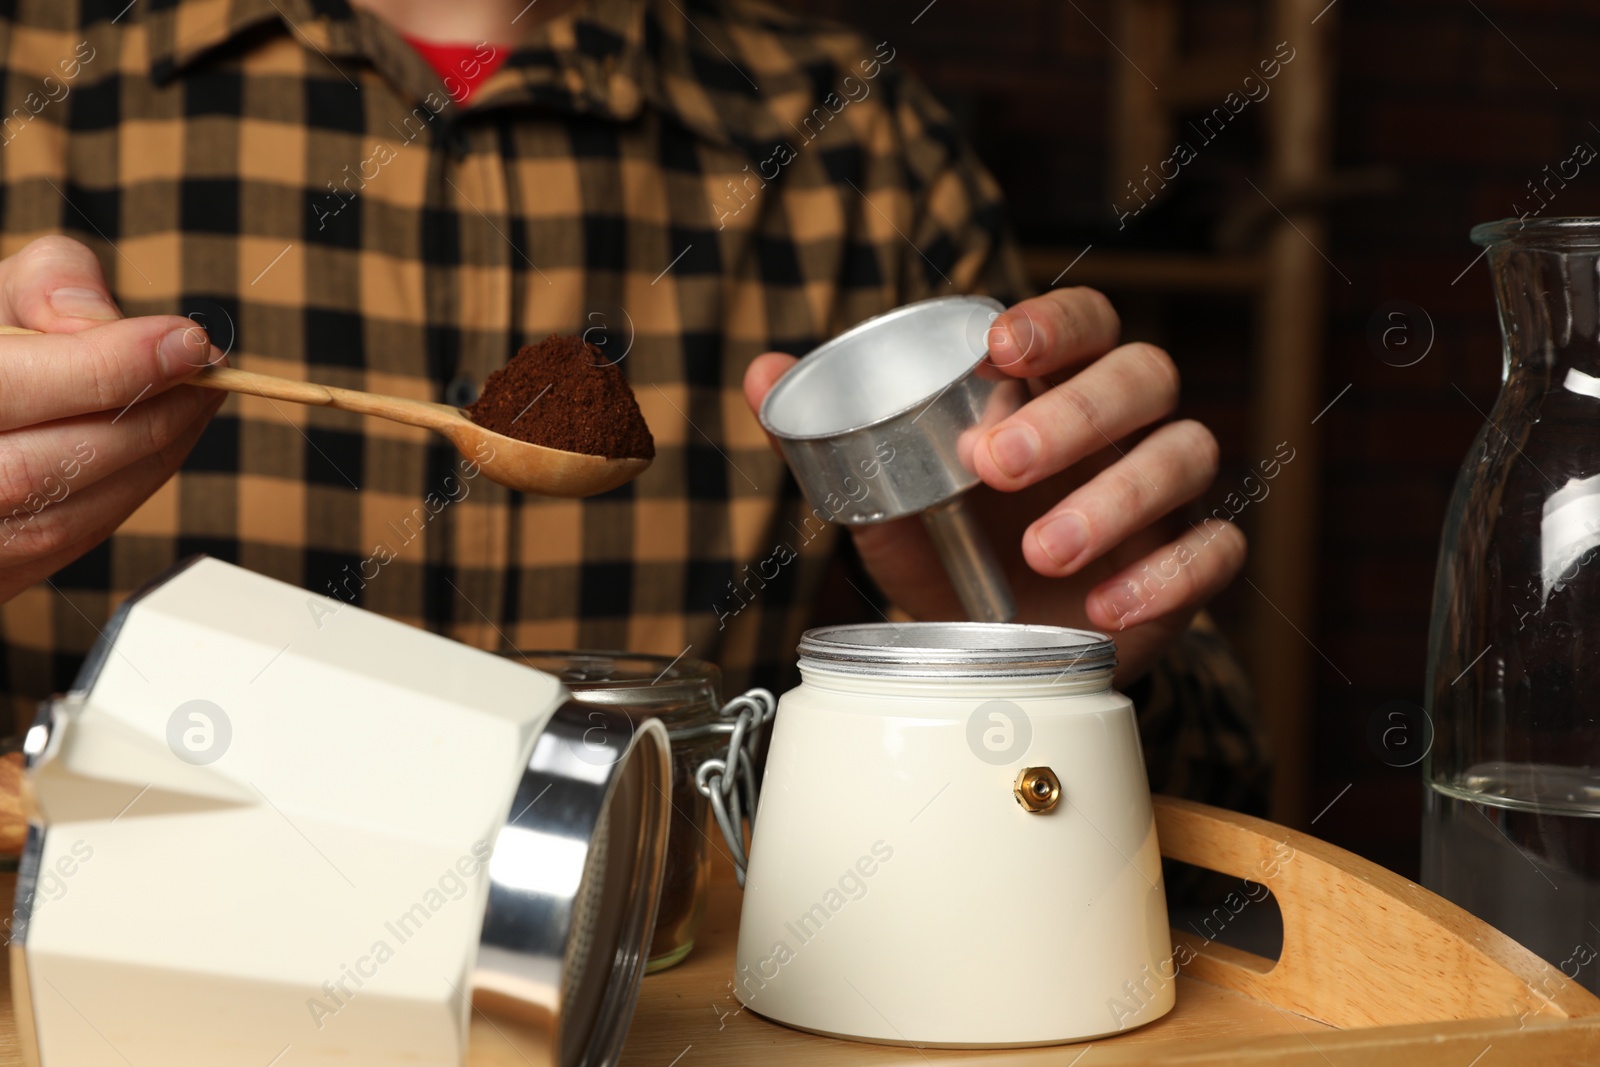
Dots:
pixel 685 694
pixel 1511 826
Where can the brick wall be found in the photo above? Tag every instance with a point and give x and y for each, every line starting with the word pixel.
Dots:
pixel 1465 111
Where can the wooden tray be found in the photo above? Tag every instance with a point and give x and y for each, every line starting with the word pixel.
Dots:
pixel 1374 971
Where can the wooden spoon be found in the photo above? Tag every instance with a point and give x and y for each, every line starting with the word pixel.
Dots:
pixel 528 468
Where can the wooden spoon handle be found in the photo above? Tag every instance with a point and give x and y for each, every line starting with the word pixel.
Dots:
pixel 231 380
pixel 440 417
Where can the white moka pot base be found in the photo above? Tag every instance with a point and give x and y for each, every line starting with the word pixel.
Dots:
pixel 899 893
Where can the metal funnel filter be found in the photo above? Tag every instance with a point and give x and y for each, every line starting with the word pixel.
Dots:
pixel 877 424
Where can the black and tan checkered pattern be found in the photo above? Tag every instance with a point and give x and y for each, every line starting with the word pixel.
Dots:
pixel 297 178
pixel 693 182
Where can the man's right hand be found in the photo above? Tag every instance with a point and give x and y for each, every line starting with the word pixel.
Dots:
pixel 92 418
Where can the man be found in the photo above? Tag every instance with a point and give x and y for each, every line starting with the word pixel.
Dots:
pixel 698 186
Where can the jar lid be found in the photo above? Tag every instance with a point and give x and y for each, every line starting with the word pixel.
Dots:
pixel 957 650
pixel 682 693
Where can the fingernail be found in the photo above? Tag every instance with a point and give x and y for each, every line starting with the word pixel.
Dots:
pixel 77 303
pixel 999 342
pixel 184 351
pixel 1064 538
pixel 1122 603
pixel 1002 344
pixel 1014 449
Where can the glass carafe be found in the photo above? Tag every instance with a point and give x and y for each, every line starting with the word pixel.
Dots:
pixel 1511 824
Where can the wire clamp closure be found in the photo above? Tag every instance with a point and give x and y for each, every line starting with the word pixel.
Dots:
pixel 730 783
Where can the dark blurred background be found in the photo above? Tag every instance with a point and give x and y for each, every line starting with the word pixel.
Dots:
pixel 1438 113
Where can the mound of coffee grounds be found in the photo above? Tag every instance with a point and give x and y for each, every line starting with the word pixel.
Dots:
pixel 563 393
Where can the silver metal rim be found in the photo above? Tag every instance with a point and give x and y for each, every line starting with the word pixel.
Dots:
pixel 529 932
pixel 666 680
pixel 817 355
pixel 957 650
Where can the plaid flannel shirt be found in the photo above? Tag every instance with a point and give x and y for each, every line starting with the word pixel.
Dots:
pixel 690 182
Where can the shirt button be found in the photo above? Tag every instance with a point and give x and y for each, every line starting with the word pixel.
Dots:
pixel 461 391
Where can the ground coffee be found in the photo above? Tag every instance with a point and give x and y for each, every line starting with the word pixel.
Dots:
pixel 563 393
